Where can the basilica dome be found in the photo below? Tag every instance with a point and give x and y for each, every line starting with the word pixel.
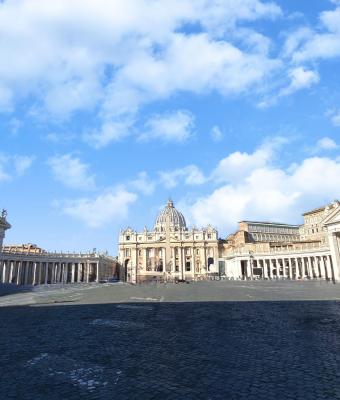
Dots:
pixel 169 215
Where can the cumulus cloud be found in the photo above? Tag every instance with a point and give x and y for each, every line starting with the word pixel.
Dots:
pixel 306 44
pixel 172 127
pixel 107 207
pixel 300 78
pixel 143 183
pixel 22 163
pixel 112 58
pixel 326 143
pixel 71 172
pixel 237 165
pixel 265 191
pixel 189 175
pixel 13 166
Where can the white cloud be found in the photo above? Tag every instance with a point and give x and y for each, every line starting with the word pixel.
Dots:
pixel 4 176
pixel 108 132
pixel 172 127
pixel 306 44
pixel 300 78
pixel 264 191
pixel 238 165
pixel 13 166
pixel 143 184
pixel 190 175
pixel 335 117
pixel 111 58
pixel 108 207
pixel 71 172
pixel 326 143
pixel 22 163
pixel 216 134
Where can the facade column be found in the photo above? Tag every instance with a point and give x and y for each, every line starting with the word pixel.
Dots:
pixel 11 267
pixel 34 273
pixel 290 269
pixel 26 272
pixel 284 268
pixel 183 261
pixel 297 268
pixel 318 264
pixel 3 275
pixel 97 269
pixel 324 264
pixel 19 273
pixel 46 272
pixel 335 253
pixel 331 267
pixel 272 266
pixel 311 269
pixel 265 270
pixel 72 272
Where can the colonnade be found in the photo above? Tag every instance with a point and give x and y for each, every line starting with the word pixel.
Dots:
pixel 292 267
pixel 33 272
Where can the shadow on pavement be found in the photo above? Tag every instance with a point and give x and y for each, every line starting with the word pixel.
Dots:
pixel 8 288
pixel 216 350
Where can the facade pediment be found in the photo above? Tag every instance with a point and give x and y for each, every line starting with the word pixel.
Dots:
pixel 333 217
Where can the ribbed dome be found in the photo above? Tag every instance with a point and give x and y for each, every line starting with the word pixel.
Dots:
pixel 170 215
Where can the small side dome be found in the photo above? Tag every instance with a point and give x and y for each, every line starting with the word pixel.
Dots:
pixel 169 215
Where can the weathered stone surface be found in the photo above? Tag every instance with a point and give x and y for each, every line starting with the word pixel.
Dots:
pixel 190 350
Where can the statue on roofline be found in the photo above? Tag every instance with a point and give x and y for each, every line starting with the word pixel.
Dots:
pixel 3 213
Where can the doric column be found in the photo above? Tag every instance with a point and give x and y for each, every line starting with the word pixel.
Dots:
pixel 290 269
pixel 46 272
pixel 3 275
pixel 284 268
pixel 272 267
pixel 265 270
pixel 39 272
pixel 331 267
pixel 34 272
pixel 311 269
pixel 26 272
pixel 297 268
pixel 318 263
pixel 19 273
pixel 86 272
pixel 11 267
pixel 72 272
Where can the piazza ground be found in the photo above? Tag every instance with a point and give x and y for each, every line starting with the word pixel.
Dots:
pixel 207 340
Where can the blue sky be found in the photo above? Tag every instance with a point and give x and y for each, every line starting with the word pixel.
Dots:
pixel 107 108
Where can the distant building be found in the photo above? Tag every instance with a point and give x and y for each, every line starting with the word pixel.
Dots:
pixel 265 250
pixel 170 250
pixel 28 264
pixel 258 250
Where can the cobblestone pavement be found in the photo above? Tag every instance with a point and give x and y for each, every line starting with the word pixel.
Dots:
pixel 167 350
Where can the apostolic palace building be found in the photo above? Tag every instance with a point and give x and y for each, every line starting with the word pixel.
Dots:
pixel 172 251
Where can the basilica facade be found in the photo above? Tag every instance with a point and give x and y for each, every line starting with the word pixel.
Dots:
pixel 170 251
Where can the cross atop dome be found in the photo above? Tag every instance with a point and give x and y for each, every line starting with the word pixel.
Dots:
pixel 170 203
